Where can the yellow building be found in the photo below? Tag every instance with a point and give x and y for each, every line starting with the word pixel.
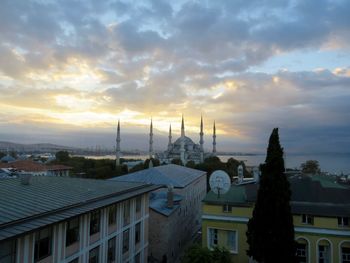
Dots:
pixel 321 215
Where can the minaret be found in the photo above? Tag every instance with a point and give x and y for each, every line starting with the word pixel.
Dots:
pixel 117 157
pixel 182 146
pixel 201 140
pixel 151 140
pixel 214 140
pixel 182 127
pixel 170 137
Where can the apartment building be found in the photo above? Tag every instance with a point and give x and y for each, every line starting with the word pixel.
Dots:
pixel 321 216
pixel 60 219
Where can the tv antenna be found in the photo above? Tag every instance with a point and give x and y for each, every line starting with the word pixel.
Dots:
pixel 219 182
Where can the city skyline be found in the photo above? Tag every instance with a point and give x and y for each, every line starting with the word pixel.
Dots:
pixel 71 69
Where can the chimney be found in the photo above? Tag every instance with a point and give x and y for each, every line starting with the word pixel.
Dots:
pixel 25 178
pixel 170 197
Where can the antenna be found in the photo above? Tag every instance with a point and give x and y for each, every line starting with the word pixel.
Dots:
pixel 219 182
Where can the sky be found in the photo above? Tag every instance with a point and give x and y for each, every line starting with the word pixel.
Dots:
pixel 70 69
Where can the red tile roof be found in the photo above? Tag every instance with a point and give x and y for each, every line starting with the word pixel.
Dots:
pixel 31 166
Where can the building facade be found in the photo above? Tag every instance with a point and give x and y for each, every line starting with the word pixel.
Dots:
pixel 175 209
pixel 321 212
pixel 80 220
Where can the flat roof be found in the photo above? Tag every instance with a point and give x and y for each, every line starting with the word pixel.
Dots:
pixel 47 200
pixel 176 175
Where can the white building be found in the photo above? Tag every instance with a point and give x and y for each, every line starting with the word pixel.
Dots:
pixel 59 219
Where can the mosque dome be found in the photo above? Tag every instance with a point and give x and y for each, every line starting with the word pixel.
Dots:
pixel 188 141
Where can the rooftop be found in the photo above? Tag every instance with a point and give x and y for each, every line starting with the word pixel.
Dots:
pixel 159 201
pixel 31 166
pixel 49 199
pixel 310 195
pixel 176 175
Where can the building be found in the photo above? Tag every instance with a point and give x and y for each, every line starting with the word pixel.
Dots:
pixel 183 148
pixel 321 213
pixel 35 168
pixel 59 219
pixel 175 209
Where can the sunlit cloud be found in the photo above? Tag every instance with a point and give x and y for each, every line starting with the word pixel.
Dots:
pixel 250 67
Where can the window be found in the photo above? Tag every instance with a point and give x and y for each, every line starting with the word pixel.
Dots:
pixel 307 219
pixel 213 237
pixel 138 204
pixel 76 260
pixel 125 241
pixel 8 251
pixel 227 208
pixel 137 258
pixel 111 250
pixel 343 221
pixel 345 254
pixel 112 215
pixel 323 254
pixel 95 222
pixel 72 231
pixel 94 255
pixel 137 233
pixel 126 212
pixel 301 253
pixel 43 242
pixel 231 241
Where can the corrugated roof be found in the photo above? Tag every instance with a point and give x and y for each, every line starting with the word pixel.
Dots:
pixel 176 175
pixel 51 199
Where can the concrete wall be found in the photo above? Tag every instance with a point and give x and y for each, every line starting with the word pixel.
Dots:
pixel 169 234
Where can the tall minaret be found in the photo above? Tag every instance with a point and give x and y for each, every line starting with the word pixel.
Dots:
pixel 214 139
pixel 170 137
pixel 151 140
pixel 182 146
pixel 117 157
pixel 201 140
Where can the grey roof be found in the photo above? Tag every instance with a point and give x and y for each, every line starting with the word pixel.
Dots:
pixel 171 174
pixel 310 195
pixel 7 158
pixel 47 200
pixel 158 202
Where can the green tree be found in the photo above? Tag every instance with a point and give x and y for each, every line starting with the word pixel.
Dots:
pixel 270 233
pixel 198 254
pixel 176 161
pixel 62 156
pixel 2 154
pixel 155 162
pixel 310 167
pixel 221 255
pixel 191 164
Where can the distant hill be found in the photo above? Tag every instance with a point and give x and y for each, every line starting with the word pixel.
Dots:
pixel 37 147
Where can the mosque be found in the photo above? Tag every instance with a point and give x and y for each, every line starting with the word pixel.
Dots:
pixel 183 148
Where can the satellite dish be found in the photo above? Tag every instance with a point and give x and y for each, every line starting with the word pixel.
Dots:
pixel 219 182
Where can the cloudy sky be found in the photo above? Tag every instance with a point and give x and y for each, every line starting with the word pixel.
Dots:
pixel 70 69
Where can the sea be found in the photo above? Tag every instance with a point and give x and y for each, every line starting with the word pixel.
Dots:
pixel 337 163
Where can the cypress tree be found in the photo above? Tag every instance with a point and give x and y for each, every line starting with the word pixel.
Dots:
pixel 270 233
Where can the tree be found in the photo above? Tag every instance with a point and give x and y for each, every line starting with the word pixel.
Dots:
pixel 62 156
pixel 310 167
pixel 176 161
pixel 270 233
pixel 198 254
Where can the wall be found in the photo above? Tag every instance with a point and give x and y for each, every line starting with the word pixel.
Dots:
pixel 61 253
